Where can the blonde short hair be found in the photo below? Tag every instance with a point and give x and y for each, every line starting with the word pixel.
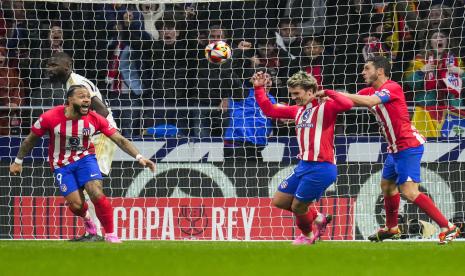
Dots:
pixel 304 80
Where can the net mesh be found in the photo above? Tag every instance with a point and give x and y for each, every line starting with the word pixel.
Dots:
pixel 215 180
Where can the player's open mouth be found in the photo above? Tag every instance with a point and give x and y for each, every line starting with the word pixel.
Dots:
pixel 84 108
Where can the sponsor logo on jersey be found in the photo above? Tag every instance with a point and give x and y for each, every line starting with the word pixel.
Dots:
pixel 74 141
pixel 306 125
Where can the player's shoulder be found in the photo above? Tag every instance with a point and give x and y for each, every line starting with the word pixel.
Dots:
pixel 100 122
pixel 327 103
pixel 76 79
pixel 366 91
pixel 52 116
pixel 94 115
pixel 96 118
pixel 392 86
pixel 329 90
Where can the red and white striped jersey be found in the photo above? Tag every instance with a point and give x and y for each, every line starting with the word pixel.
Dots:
pixel 393 117
pixel 70 140
pixel 314 123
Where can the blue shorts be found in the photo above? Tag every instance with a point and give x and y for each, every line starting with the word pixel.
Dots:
pixel 309 180
pixel 75 175
pixel 404 165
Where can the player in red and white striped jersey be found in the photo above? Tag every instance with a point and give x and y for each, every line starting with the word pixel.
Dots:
pixel 315 116
pixel 385 99
pixel 60 70
pixel 72 155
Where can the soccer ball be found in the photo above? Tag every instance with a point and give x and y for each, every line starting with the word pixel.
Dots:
pixel 218 52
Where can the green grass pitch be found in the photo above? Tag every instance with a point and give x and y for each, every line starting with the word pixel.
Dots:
pixel 230 258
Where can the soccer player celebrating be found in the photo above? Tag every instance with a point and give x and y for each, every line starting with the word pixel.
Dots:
pixel 385 99
pixel 72 154
pixel 60 70
pixel 314 119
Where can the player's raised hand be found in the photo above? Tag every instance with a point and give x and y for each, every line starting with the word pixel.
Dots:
pixel 320 94
pixel 16 168
pixel 147 163
pixel 259 79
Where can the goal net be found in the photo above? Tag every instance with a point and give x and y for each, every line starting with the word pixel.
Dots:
pixel 219 160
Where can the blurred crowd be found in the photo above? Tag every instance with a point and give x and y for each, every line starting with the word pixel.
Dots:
pixel 148 59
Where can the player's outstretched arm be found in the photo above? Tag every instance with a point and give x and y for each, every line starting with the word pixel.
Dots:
pixel 275 111
pixel 130 149
pixel 363 100
pixel 26 146
pixel 341 103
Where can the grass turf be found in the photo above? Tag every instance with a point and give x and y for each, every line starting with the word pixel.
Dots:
pixel 230 258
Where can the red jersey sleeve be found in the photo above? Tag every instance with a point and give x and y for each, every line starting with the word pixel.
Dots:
pixel 40 127
pixel 103 125
pixel 365 91
pixel 393 90
pixel 339 103
pixel 276 111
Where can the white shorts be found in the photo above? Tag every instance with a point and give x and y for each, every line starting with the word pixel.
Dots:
pixel 104 150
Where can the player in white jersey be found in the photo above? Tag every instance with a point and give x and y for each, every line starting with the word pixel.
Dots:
pixel 60 70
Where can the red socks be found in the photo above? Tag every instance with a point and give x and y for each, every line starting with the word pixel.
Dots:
pixel 104 212
pixel 427 205
pixel 391 206
pixel 304 222
pixel 81 212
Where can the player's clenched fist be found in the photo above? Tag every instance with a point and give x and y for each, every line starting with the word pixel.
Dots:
pixel 259 79
pixel 147 163
pixel 15 168
pixel 321 95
